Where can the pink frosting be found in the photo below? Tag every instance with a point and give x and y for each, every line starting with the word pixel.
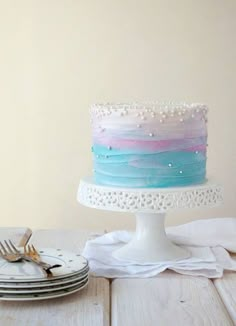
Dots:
pixel 150 145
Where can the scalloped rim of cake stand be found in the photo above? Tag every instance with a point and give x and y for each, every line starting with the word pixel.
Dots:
pixel 148 200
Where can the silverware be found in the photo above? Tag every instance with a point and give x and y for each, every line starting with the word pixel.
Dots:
pixel 32 253
pixel 10 253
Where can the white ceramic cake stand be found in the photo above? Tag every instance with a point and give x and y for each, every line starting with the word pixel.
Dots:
pixel 150 242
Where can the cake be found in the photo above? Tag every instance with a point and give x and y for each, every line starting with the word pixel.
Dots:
pixel 149 145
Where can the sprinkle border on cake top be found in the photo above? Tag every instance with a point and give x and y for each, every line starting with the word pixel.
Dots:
pixel 163 109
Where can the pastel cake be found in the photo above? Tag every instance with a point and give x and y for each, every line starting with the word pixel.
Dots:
pixel 149 145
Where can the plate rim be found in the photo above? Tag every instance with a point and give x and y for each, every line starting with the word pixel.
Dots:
pixel 43 290
pixel 45 282
pixel 46 297
pixel 41 279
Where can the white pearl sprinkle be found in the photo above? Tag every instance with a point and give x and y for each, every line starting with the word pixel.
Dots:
pixel 180 171
pixel 169 164
pixel 181 119
pixel 161 120
pixel 193 116
pixel 151 134
pixel 196 152
pixel 138 126
pixel 143 118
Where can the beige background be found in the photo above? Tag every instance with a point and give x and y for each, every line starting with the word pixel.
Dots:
pixel 59 56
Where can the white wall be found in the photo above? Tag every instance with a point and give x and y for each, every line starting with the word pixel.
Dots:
pixel 59 56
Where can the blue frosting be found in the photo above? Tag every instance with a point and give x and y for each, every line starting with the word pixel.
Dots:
pixel 154 182
pixel 166 169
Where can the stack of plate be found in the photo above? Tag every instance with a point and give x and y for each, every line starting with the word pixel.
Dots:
pixel 24 281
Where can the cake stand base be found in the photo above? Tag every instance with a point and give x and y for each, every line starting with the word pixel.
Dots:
pixel 150 242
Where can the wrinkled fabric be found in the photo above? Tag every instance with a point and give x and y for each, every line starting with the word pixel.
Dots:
pixel 211 242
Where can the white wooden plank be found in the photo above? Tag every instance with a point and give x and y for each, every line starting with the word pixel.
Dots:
pixel 18 235
pixel 88 307
pixel 226 287
pixel 169 299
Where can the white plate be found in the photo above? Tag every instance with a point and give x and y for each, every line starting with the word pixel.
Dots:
pixel 44 283
pixel 72 263
pixel 42 289
pixel 42 296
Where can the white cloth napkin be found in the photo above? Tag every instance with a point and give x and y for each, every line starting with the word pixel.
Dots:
pixel 209 242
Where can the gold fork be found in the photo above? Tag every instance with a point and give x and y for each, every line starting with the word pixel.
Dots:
pixel 33 254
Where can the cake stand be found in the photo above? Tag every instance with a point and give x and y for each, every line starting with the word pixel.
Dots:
pixel 150 242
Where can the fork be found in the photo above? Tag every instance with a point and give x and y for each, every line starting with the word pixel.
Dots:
pixel 9 253
pixel 31 253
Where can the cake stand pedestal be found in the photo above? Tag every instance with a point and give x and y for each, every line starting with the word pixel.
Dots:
pixel 150 243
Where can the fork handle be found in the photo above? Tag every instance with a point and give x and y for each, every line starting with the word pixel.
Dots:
pixel 45 266
pixel 48 267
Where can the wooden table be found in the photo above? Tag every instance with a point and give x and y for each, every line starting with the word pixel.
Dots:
pixel 168 299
